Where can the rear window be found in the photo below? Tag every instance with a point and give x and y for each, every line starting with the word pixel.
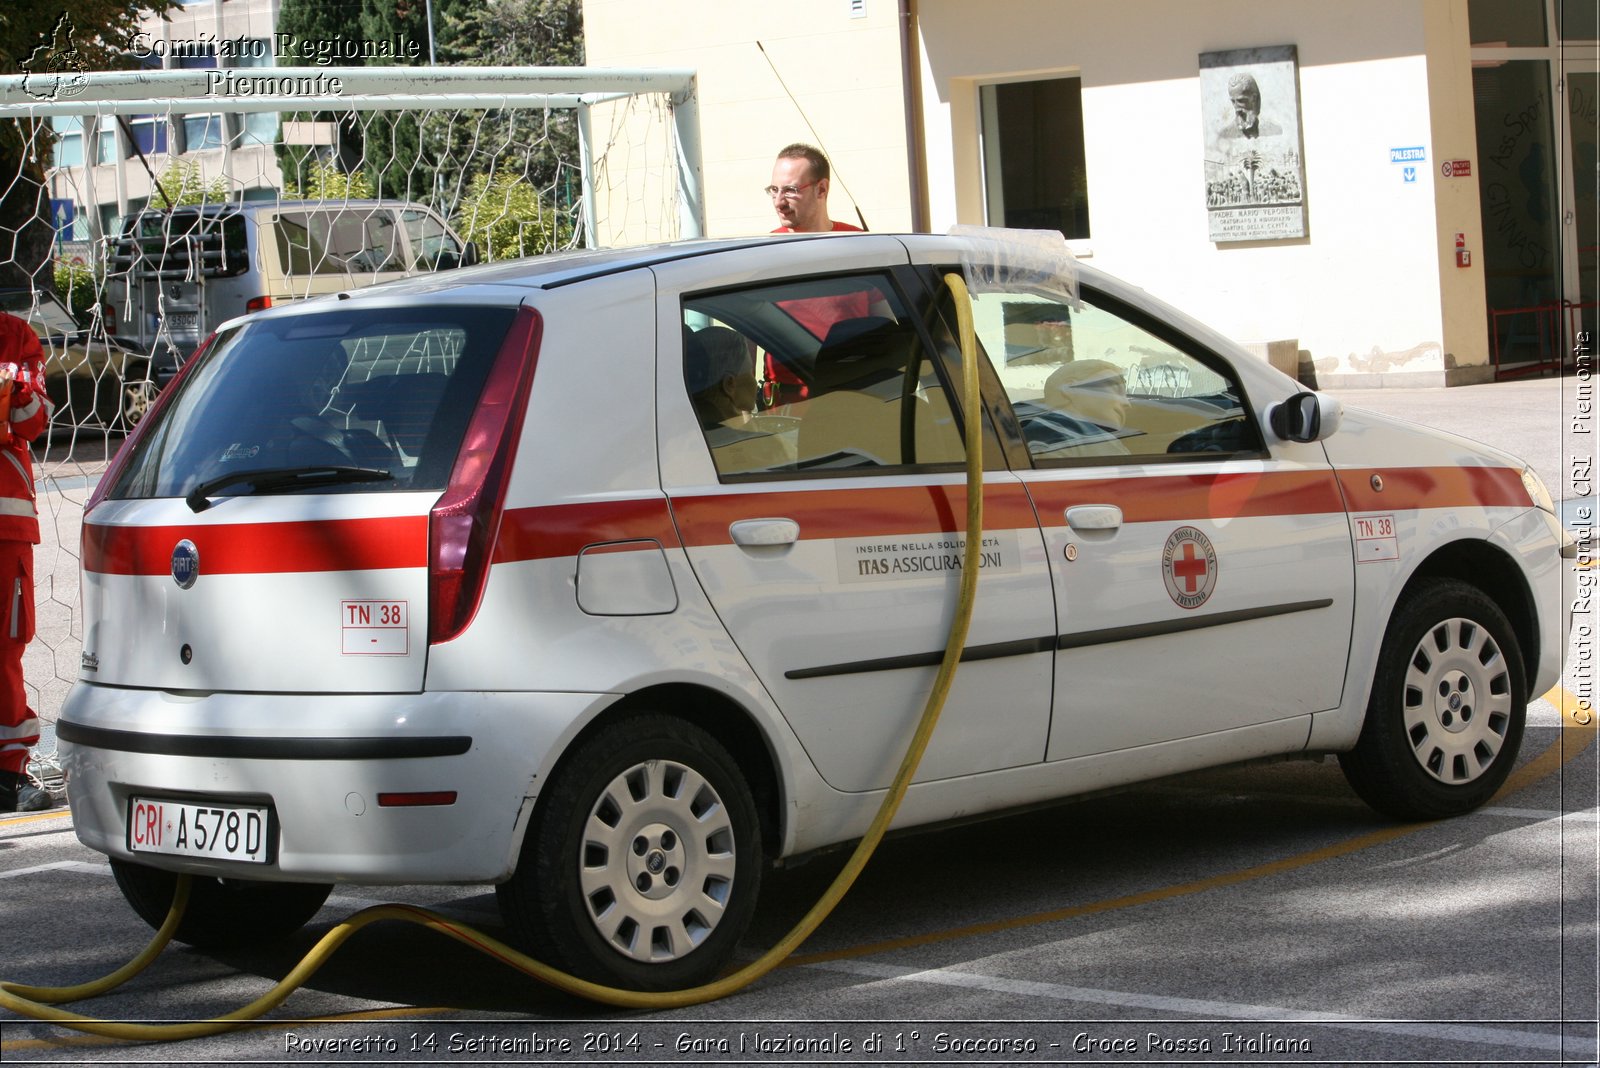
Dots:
pixel 383 392
pixel 182 243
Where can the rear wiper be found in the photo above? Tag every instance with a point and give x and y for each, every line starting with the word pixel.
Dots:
pixel 279 479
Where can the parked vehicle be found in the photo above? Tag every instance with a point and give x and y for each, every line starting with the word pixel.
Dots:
pixel 175 274
pixel 504 577
pixel 94 381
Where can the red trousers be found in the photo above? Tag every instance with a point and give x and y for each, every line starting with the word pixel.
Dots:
pixel 19 725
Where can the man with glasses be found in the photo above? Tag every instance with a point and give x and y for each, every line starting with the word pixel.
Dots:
pixel 799 192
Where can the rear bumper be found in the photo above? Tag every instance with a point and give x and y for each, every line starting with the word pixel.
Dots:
pixel 319 761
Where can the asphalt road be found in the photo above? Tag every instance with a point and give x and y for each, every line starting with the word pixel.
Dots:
pixel 1140 927
pixel 1254 915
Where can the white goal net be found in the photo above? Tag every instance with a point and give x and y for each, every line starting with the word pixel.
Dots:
pixel 156 205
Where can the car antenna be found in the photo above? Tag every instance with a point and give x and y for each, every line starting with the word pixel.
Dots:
pixel 814 135
pixel 127 131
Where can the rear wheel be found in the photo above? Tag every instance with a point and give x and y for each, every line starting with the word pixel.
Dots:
pixel 222 913
pixel 1447 710
pixel 137 397
pixel 643 861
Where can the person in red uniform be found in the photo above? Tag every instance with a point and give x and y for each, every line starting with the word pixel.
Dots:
pixel 799 193
pixel 27 413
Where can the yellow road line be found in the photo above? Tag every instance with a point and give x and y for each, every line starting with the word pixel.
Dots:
pixel 11 820
pixel 1573 718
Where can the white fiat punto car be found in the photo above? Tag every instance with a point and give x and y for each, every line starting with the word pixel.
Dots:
pixel 612 578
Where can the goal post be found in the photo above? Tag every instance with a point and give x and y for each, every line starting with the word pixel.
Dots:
pixel 144 181
pixel 294 90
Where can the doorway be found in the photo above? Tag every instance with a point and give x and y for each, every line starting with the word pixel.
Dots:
pixel 1536 95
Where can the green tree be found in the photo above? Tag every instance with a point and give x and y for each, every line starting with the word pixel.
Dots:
pixel 325 181
pixel 388 146
pixel 504 216
pixel 520 33
pixel 180 182
pixel 38 38
pixel 538 149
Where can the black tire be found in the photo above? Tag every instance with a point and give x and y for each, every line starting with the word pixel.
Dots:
pixel 1449 702
pixel 643 861
pixel 222 913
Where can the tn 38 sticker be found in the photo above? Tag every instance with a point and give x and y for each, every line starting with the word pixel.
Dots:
pixel 1376 538
pixel 375 628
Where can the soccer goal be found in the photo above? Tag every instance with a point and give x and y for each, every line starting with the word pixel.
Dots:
pixel 154 205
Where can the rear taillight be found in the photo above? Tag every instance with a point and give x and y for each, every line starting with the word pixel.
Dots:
pixel 255 304
pixel 463 525
pixel 114 469
pixel 108 315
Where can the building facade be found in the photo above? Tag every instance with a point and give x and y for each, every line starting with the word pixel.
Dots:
pixel 1374 192
pixel 106 169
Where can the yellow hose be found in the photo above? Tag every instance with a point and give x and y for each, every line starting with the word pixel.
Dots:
pixel 39 1002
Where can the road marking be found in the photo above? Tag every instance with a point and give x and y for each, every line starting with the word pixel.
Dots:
pixel 1575 716
pixel 60 865
pixel 1542 815
pixel 1218 1010
pixel 17 821
pixel 1573 713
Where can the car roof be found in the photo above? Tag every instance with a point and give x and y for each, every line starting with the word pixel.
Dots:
pixel 555 269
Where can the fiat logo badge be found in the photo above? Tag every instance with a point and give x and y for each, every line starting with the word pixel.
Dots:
pixel 185 563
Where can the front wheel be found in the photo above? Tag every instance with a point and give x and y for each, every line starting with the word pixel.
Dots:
pixel 1448 705
pixel 222 913
pixel 643 861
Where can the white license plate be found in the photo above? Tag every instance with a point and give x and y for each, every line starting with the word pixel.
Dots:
pixel 179 828
pixel 183 322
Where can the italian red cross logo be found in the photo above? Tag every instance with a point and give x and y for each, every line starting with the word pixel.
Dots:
pixel 1189 566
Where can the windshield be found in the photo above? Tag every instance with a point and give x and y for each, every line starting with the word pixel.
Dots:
pixel 387 390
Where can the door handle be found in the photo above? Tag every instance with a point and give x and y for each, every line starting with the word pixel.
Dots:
pixel 1087 518
pixel 757 532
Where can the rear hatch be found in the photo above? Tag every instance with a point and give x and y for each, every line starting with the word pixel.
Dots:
pixel 282 521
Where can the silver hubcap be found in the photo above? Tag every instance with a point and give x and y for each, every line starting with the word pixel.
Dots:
pixel 1457 701
pixel 136 402
pixel 657 861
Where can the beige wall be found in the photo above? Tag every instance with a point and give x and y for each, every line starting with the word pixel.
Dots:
pixel 1373 289
pixel 1362 293
pixel 843 71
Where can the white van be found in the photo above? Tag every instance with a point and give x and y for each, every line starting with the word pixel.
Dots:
pixel 507 576
pixel 174 275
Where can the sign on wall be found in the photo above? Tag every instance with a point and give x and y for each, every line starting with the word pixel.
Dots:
pixel 1255 183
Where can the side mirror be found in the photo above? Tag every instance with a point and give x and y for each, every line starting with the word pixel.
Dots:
pixel 469 254
pixel 1305 417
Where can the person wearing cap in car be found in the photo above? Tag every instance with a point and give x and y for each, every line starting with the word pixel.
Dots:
pixel 27 413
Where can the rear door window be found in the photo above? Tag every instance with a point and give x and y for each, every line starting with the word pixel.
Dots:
pixel 351 241
pixel 816 376
pixel 385 393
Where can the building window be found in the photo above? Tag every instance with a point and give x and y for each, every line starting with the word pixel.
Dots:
pixel 106 148
pixel 1033 160
pixel 1512 23
pixel 148 134
pixel 1580 20
pixel 260 127
pixel 201 132
pixel 204 58
pixel 69 140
